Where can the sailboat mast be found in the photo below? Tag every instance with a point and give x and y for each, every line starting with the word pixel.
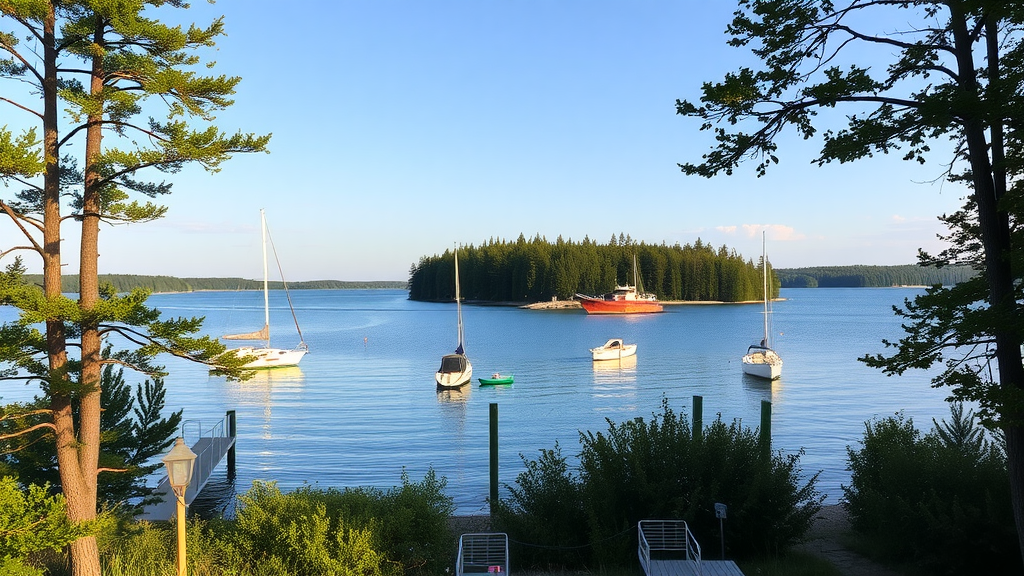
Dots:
pixel 458 298
pixel 266 291
pixel 764 276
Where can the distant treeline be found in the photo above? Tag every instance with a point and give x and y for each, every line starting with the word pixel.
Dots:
pixel 127 282
pixel 872 276
pixel 536 270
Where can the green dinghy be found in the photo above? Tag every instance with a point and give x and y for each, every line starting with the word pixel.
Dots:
pixel 496 380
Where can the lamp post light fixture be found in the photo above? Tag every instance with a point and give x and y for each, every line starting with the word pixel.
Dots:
pixel 180 461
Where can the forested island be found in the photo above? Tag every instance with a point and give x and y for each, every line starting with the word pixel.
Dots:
pixel 128 282
pixel 536 270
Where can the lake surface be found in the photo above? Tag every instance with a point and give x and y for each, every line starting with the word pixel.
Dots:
pixel 363 406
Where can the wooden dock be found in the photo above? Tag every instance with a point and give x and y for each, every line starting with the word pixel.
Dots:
pixel 694 568
pixel 668 548
pixel 211 446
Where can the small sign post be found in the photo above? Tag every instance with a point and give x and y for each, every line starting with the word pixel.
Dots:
pixel 720 510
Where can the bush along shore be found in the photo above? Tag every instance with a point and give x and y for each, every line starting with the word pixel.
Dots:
pixel 911 498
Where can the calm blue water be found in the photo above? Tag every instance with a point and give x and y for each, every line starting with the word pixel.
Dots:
pixel 363 404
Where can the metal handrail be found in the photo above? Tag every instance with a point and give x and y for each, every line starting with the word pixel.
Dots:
pixel 205 456
pixel 485 549
pixel 666 535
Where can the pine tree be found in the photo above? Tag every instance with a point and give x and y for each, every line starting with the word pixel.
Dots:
pixel 130 58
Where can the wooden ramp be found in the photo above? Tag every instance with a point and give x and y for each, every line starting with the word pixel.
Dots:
pixel 693 568
pixel 210 448
pixel 668 548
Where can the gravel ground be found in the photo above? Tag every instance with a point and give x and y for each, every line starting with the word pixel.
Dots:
pixel 826 540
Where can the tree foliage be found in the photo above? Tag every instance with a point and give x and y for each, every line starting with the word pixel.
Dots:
pixel 534 270
pixel 157 284
pixel 872 276
pixel 92 68
pixel 922 500
pixel 925 71
pixel 134 433
pixel 657 468
pixel 31 520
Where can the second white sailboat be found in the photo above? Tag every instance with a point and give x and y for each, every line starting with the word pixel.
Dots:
pixel 455 370
pixel 265 356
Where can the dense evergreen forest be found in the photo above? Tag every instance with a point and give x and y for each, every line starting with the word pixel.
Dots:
pixel 127 282
pixel 536 270
pixel 872 276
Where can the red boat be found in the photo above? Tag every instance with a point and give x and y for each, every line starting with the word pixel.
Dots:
pixel 623 300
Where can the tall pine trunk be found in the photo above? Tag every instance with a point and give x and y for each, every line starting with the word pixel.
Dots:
pixel 85 552
pixel 994 224
pixel 74 482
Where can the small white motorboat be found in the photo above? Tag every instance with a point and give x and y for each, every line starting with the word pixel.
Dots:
pixel 613 349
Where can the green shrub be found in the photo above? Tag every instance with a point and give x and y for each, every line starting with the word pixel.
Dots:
pixel 659 469
pixel 32 521
pixel 939 502
pixel 351 532
pixel 368 531
pixel 296 529
pixel 546 507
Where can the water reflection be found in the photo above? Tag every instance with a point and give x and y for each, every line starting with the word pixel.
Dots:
pixel 456 395
pixel 261 389
pixel 615 385
pixel 615 371
pixel 761 388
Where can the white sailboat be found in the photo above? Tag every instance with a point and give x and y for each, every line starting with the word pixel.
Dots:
pixel 265 356
pixel 455 370
pixel 761 360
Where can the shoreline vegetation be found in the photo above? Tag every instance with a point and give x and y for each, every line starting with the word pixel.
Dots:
pixel 901 276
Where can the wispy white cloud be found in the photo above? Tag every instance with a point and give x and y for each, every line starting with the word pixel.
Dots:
pixel 776 232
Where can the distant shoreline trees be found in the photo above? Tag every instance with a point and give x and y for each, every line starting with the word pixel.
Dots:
pixel 164 284
pixel 872 276
pixel 813 277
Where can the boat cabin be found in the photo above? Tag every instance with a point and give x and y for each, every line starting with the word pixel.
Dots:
pixel 453 363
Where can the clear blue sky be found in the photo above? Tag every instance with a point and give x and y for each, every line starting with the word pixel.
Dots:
pixel 403 127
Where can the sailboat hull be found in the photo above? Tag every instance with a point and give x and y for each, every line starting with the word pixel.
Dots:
pixel 605 306
pixel 456 371
pixel 267 357
pixel 271 357
pixel 763 363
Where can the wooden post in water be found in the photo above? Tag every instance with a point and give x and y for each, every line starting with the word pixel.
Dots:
pixel 232 432
pixel 698 416
pixel 766 427
pixel 494 456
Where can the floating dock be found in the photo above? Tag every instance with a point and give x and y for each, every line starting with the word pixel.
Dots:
pixel 211 446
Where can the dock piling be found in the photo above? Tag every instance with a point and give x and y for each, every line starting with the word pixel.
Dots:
pixel 232 432
pixel 766 427
pixel 494 456
pixel 698 416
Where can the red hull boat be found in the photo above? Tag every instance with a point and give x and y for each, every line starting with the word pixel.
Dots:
pixel 612 306
pixel 623 300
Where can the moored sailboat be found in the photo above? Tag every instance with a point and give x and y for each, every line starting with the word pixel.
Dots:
pixel 266 356
pixel 455 370
pixel 761 360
